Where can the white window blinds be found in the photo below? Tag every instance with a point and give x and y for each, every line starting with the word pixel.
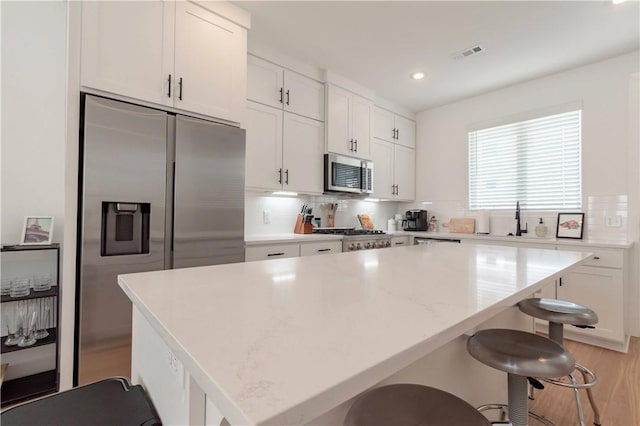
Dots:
pixel 536 162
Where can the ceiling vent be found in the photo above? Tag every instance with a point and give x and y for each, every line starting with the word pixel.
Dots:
pixel 468 52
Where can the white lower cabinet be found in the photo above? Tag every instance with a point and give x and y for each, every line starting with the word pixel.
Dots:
pixel 601 290
pixel 400 241
pixel 280 251
pixel 276 251
pixel 323 247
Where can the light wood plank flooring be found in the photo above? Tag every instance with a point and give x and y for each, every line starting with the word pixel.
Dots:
pixel 617 392
pixel 103 363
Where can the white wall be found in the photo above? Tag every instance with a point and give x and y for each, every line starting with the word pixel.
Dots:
pixel 33 114
pixel 608 187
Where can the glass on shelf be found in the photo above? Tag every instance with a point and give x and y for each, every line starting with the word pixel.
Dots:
pixel 43 322
pixel 13 321
pixel 5 287
pixel 28 329
pixel 42 282
pixel 19 287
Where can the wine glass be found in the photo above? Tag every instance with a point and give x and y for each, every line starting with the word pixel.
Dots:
pixel 28 328
pixel 13 321
pixel 43 323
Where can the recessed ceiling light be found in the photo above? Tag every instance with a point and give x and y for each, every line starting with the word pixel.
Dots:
pixel 617 1
pixel 417 75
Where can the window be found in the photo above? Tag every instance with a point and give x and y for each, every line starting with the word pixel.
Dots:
pixel 536 162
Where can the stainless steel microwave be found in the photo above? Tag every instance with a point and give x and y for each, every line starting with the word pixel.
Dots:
pixel 346 174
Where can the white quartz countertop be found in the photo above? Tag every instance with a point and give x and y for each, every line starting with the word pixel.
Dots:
pixel 283 341
pixel 252 240
pixel 512 239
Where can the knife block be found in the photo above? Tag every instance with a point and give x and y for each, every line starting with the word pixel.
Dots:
pixel 301 227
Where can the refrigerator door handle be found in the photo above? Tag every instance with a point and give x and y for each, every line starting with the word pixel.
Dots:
pixel 126 207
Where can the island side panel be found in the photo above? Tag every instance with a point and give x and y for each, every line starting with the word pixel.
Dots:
pixel 176 396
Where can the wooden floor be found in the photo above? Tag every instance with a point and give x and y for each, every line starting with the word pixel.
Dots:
pixel 617 392
pixel 103 363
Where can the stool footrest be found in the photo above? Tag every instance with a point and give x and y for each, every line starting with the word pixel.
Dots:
pixel 504 408
pixel 586 373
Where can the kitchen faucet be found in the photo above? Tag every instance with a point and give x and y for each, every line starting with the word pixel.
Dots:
pixel 519 231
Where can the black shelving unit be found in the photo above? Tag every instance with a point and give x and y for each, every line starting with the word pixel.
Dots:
pixel 45 382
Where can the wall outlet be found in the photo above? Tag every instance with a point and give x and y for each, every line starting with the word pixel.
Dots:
pixel 266 217
pixel 613 221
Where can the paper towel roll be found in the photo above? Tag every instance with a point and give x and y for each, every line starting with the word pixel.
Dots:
pixel 483 223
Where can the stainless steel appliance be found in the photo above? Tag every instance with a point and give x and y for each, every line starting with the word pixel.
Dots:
pixel 415 220
pixel 158 191
pixel 358 239
pixel 346 174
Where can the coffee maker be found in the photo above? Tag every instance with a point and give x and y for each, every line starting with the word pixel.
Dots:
pixel 415 220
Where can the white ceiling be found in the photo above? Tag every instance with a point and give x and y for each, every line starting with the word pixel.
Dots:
pixel 379 44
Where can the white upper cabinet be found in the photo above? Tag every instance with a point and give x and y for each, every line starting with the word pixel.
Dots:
pixel 278 87
pixel 394 128
pixel 210 63
pixel 284 151
pixel 349 121
pixel 127 48
pixel 263 147
pixel 302 155
pixel 404 162
pixel 176 54
pixel 394 171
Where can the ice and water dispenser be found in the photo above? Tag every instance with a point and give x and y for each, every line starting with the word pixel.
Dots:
pixel 125 228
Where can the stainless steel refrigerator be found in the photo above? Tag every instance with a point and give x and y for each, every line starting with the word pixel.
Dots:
pixel 158 191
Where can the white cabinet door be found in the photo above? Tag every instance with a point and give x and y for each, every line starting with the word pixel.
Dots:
pixel 400 241
pixel 303 96
pixel 127 48
pixel 405 131
pixel 600 289
pixel 278 251
pixel 382 157
pixel 264 147
pixel 210 63
pixel 361 121
pixel 264 82
pixel 302 155
pixel 322 247
pixel 383 125
pixel 404 172
pixel 339 138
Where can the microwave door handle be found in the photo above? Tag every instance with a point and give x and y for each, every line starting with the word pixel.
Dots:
pixel 363 170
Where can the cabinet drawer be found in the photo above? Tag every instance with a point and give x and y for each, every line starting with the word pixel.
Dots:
pixel 323 247
pixel 399 241
pixel 602 257
pixel 280 251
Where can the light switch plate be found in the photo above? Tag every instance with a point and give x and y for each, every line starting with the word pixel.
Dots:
pixel 613 221
pixel 266 217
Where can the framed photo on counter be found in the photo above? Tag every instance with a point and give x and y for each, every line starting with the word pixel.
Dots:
pixel 570 225
pixel 37 230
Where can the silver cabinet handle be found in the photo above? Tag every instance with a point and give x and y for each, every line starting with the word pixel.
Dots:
pixel 274 254
pixel 180 86
pixel 351 146
pixel 281 94
pixel 356 141
pixel 169 92
pixel 280 174
pixel 287 96
pixel 596 257
pixel 320 250
pixel 286 178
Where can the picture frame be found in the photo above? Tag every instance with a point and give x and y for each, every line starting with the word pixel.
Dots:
pixel 570 225
pixel 37 230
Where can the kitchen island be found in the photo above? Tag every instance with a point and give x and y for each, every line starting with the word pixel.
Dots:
pixel 286 341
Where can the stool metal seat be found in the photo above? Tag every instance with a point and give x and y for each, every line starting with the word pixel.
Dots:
pixel 520 355
pixel 411 404
pixel 558 313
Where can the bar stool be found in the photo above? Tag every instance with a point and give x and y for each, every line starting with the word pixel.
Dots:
pixel 520 355
pixel 558 313
pixel 409 405
pixel 112 401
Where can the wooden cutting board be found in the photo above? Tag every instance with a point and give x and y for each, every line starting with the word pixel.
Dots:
pixel 462 225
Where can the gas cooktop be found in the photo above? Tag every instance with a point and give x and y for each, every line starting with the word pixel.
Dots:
pixel 348 231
